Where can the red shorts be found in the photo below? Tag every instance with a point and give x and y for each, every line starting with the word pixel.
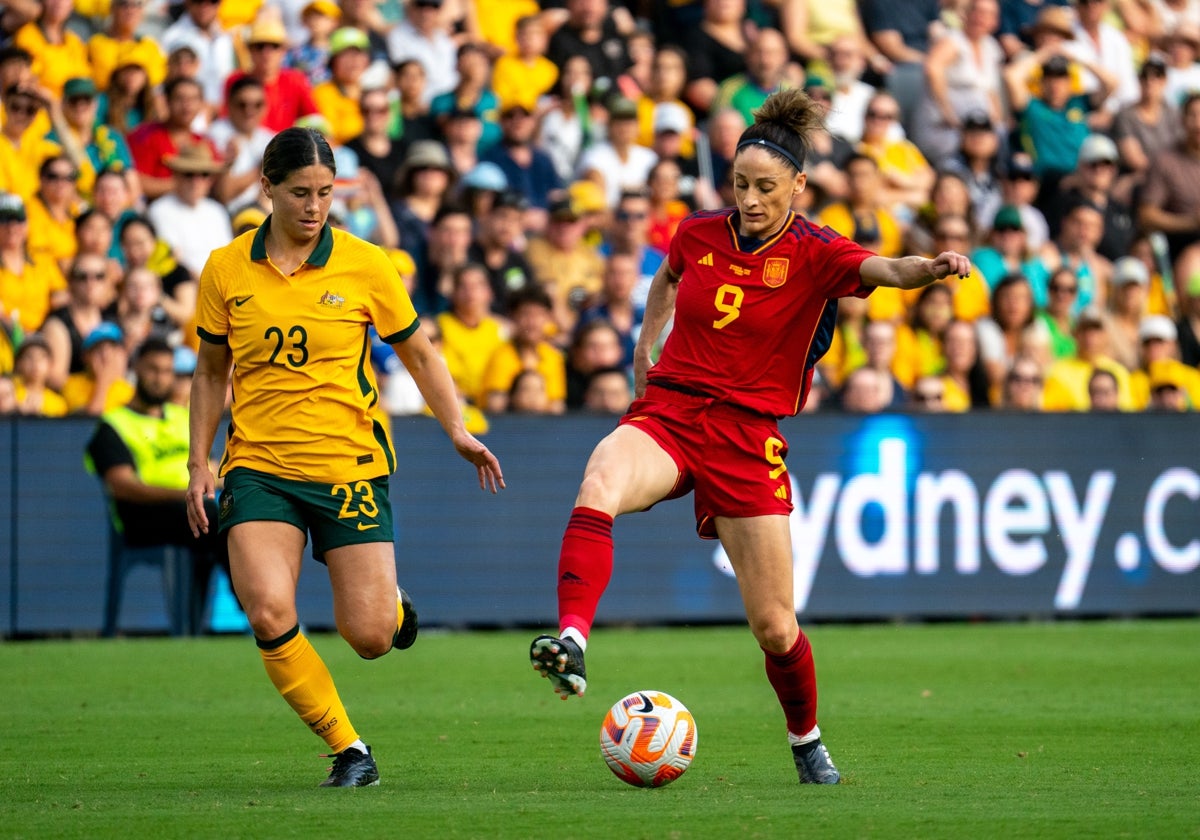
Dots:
pixel 732 458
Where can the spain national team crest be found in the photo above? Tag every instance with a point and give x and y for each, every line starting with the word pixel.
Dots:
pixel 775 272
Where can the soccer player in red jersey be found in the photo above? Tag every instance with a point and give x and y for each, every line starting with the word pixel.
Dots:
pixel 753 290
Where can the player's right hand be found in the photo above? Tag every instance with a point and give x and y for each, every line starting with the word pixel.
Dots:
pixel 201 486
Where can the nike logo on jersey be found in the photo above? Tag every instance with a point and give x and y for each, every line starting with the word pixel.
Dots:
pixel 706 259
pixel 239 301
pixel 647 706
pixel 362 526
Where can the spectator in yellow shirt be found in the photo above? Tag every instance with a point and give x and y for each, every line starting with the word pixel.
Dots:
pixel 23 146
pixel 33 392
pixel 531 313
pixel 338 98
pixel 28 286
pixel 103 384
pixel 526 74
pixel 58 53
pixel 121 44
pixel 52 211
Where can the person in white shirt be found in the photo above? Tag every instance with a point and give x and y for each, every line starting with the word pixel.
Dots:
pixel 422 36
pixel 619 163
pixel 199 28
pixel 1099 42
pixel 241 140
pixel 186 218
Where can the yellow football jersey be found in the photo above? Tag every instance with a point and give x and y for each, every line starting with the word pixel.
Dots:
pixel 305 399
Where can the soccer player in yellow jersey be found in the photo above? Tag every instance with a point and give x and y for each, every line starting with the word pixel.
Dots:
pixel 287 306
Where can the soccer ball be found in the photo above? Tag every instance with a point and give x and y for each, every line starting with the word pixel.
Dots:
pixel 648 739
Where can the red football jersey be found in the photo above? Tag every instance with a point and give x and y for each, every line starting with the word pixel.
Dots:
pixel 750 324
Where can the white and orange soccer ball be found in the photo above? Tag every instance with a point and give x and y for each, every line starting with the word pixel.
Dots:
pixel 648 739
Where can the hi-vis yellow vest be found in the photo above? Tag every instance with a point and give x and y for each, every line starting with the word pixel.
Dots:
pixel 159 445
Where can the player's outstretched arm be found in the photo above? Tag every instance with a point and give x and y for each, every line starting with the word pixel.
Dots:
pixel 204 415
pixel 433 379
pixel 912 272
pixel 660 307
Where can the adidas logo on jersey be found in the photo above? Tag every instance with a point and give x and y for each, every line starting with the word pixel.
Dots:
pixel 781 492
pixel 706 259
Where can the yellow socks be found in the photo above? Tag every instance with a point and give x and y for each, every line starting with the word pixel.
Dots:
pixel 305 683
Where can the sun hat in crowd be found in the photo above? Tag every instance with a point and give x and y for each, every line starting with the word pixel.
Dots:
pixel 1008 217
pixel 1130 270
pixel 12 208
pixel 348 38
pixel 322 7
pixel 268 29
pixel 1097 148
pixel 486 175
pixel 671 116
pixel 194 158
pixel 1157 327
pixel 79 86
pixel 977 120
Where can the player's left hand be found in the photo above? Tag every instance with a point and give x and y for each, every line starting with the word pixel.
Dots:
pixel 950 262
pixel 488 466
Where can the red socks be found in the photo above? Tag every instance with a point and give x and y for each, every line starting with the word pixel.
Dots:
pixel 794 679
pixel 585 566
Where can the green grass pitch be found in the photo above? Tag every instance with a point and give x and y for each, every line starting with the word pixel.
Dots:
pixel 1057 730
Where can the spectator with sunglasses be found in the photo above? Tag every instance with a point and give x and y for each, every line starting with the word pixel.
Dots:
pixel 1058 313
pixel 29 286
pixel 52 211
pixel 240 138
pixel 101 146
pixel 89 303
pixel 22 146
pixel 288 93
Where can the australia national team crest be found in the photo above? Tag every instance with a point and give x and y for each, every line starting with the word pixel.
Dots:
pixel 334 301
pixel 775 271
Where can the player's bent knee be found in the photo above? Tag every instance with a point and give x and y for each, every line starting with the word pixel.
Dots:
pixel 777 636
pixel 371 646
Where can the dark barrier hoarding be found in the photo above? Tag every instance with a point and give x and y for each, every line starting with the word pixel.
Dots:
pixel 897 516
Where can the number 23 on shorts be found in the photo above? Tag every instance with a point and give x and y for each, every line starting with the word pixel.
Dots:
pixel 357 500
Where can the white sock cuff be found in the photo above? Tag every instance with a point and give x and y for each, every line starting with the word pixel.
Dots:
pixel 574 635
pixel 813 734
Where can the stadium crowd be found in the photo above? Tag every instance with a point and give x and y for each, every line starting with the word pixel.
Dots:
pixel 524 164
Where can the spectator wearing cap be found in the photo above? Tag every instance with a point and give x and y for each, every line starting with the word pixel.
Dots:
pixel 1182 47
pixel 1167 389
pixel 29 286
pixel 480 188
pixel 375 148
pixel 903 33
pixel 52 211
pixel 499 245
pixel 672 127
pixel 530 171
pixel 962 76
pixel 58 53
pixel 668 80
pixel 1052 125
pixel 122 41
pixel 1170 197
pixel 472 94
pixel 978 162
pixel 32 390
pixel 1127 309
pixel 422 35
pixel 565 265
pixel 526 71
pixel 200 28
pixel 310 55
pixel 1097 182
pixel 1159 362
pixel 240 139
pixel 289 95
pixel 153 142
pixel 422 184
pixel 337 98
pixel 767 70
pixel 103 146
pixel 190 222
pixel 526 349
pixel 1020 22
pixel 103 383
pixel 23 148
pixel 1147 128
pixel 1019 188
pixel 1066 387
pixel 592 30
pixel 1007 248
pixel 618 162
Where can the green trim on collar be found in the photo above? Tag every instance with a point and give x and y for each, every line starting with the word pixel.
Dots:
pixel 319 257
